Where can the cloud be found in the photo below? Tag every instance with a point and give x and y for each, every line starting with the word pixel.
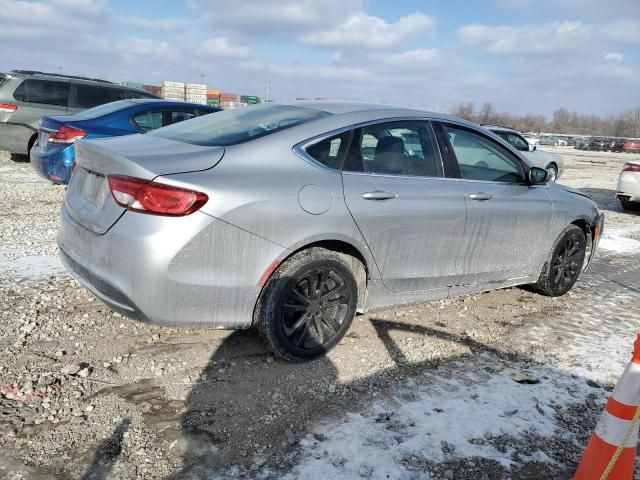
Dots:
pixel 362 30
pixel 614 56
pixel 625 31
pixel 544 38
pixel 220 47
pixel 274 17
pixel 163 24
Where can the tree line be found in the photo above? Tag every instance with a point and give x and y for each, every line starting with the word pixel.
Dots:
pixel 626 124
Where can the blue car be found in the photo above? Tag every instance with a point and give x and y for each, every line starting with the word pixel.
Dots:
pixel 53 154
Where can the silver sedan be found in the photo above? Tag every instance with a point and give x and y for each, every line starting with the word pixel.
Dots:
pixel 293 218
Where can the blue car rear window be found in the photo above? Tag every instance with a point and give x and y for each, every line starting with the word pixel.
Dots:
pixel 231 127
pixel 105 109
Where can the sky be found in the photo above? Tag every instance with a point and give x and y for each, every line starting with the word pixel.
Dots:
pixel 523 56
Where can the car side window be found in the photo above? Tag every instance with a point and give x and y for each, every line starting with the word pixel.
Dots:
pixel 480 158
pixel 398 148
pixel 47 92
pixel 88 96
pixel 330 151
pixel 143 121
pixel 515 140
pixel 179 116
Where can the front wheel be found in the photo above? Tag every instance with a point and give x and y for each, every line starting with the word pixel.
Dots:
pixel 308 304
pixel 552 169
pixel 562 268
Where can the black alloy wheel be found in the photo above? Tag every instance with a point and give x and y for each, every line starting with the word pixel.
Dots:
pixel 308 304
pixel 567 262
pixel 315 308
pixel 564 264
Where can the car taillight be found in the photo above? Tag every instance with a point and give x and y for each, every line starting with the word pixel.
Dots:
pixel 145 196
pixel 8 108
pixel 66 134
pixel 631 167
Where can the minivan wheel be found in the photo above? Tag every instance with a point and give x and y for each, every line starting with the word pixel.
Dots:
pixel 307 305
pixel 563 267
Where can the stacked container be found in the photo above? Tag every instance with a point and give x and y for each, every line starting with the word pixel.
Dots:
pixel 228 100
pixel 213 98
pixel 137 85
pixel 173 90
pixel 155 89
pixel 195 93
pixel 249 99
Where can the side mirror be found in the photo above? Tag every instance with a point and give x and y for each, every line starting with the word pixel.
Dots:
pixel 532 148
pixel 537 176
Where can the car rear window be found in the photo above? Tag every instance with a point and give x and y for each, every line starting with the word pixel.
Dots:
pixel 105 109
pixel 49 92
pixel 88 96
pixel 231 127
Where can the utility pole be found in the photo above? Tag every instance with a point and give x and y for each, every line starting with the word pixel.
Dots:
pixel 202 78
pixel 267 88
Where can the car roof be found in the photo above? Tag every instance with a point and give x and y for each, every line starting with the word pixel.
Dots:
pixel 500 128
pixel 346 108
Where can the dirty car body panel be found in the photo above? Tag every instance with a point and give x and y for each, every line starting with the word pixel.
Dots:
pixel 281 178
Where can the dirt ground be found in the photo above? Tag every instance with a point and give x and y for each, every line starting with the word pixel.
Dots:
pixel 86 393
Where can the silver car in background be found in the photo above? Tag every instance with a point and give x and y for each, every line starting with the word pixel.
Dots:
pixel 292 218
pixel 552 162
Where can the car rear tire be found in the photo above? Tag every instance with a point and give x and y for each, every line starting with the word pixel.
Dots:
pixel 307 305
pixel 563 267
pixel 627 204
pixel 553 172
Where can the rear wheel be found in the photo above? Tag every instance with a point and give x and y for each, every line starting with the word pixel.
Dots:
pixel 562 268
pixel 628 204
pixel 308 304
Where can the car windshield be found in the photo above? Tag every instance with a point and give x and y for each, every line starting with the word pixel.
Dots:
pixel 240 125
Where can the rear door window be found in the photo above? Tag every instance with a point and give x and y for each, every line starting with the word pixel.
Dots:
pixel 149 120
pixel 48 92
pixel 88 96
pixel 398 148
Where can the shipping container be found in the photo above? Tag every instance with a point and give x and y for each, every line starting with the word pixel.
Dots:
pixel 167 83
pixel 213 92
pixel 137 85
pixel 155 89
pixel 213 102
pixel 198 86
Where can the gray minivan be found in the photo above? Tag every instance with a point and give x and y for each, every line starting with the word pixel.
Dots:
pixel 27 95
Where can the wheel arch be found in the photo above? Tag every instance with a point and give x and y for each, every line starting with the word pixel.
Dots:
pixel 361 263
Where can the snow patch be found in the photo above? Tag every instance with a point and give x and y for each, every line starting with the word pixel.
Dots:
pixel 31 267
pixel 449 419
pixel 615 241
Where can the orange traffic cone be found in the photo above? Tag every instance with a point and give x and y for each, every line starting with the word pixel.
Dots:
pixel 611 452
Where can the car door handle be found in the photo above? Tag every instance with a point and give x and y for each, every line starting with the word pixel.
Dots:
pixel 480 196
pixel 379 195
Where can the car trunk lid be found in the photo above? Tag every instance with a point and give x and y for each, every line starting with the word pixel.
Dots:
pixel 88 199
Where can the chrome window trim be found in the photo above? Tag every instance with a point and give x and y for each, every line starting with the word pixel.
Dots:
pixel 300 148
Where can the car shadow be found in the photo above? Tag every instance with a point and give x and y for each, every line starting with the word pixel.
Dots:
pixel 107 453
pixel 606 200
pixel 247 408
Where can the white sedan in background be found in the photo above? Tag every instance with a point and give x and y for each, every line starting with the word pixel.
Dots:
pixel 551 162
pixel 628 191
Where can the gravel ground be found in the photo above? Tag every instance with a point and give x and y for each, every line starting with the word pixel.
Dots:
pixel 87 393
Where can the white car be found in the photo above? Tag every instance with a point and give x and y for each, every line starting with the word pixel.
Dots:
pixel 628 191
pixel 552 162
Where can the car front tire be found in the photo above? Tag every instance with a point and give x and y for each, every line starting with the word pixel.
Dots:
pixel 562 269
pixel 553 172
pixel 307 305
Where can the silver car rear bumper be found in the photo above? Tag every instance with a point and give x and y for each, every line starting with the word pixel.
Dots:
pixel 193 270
